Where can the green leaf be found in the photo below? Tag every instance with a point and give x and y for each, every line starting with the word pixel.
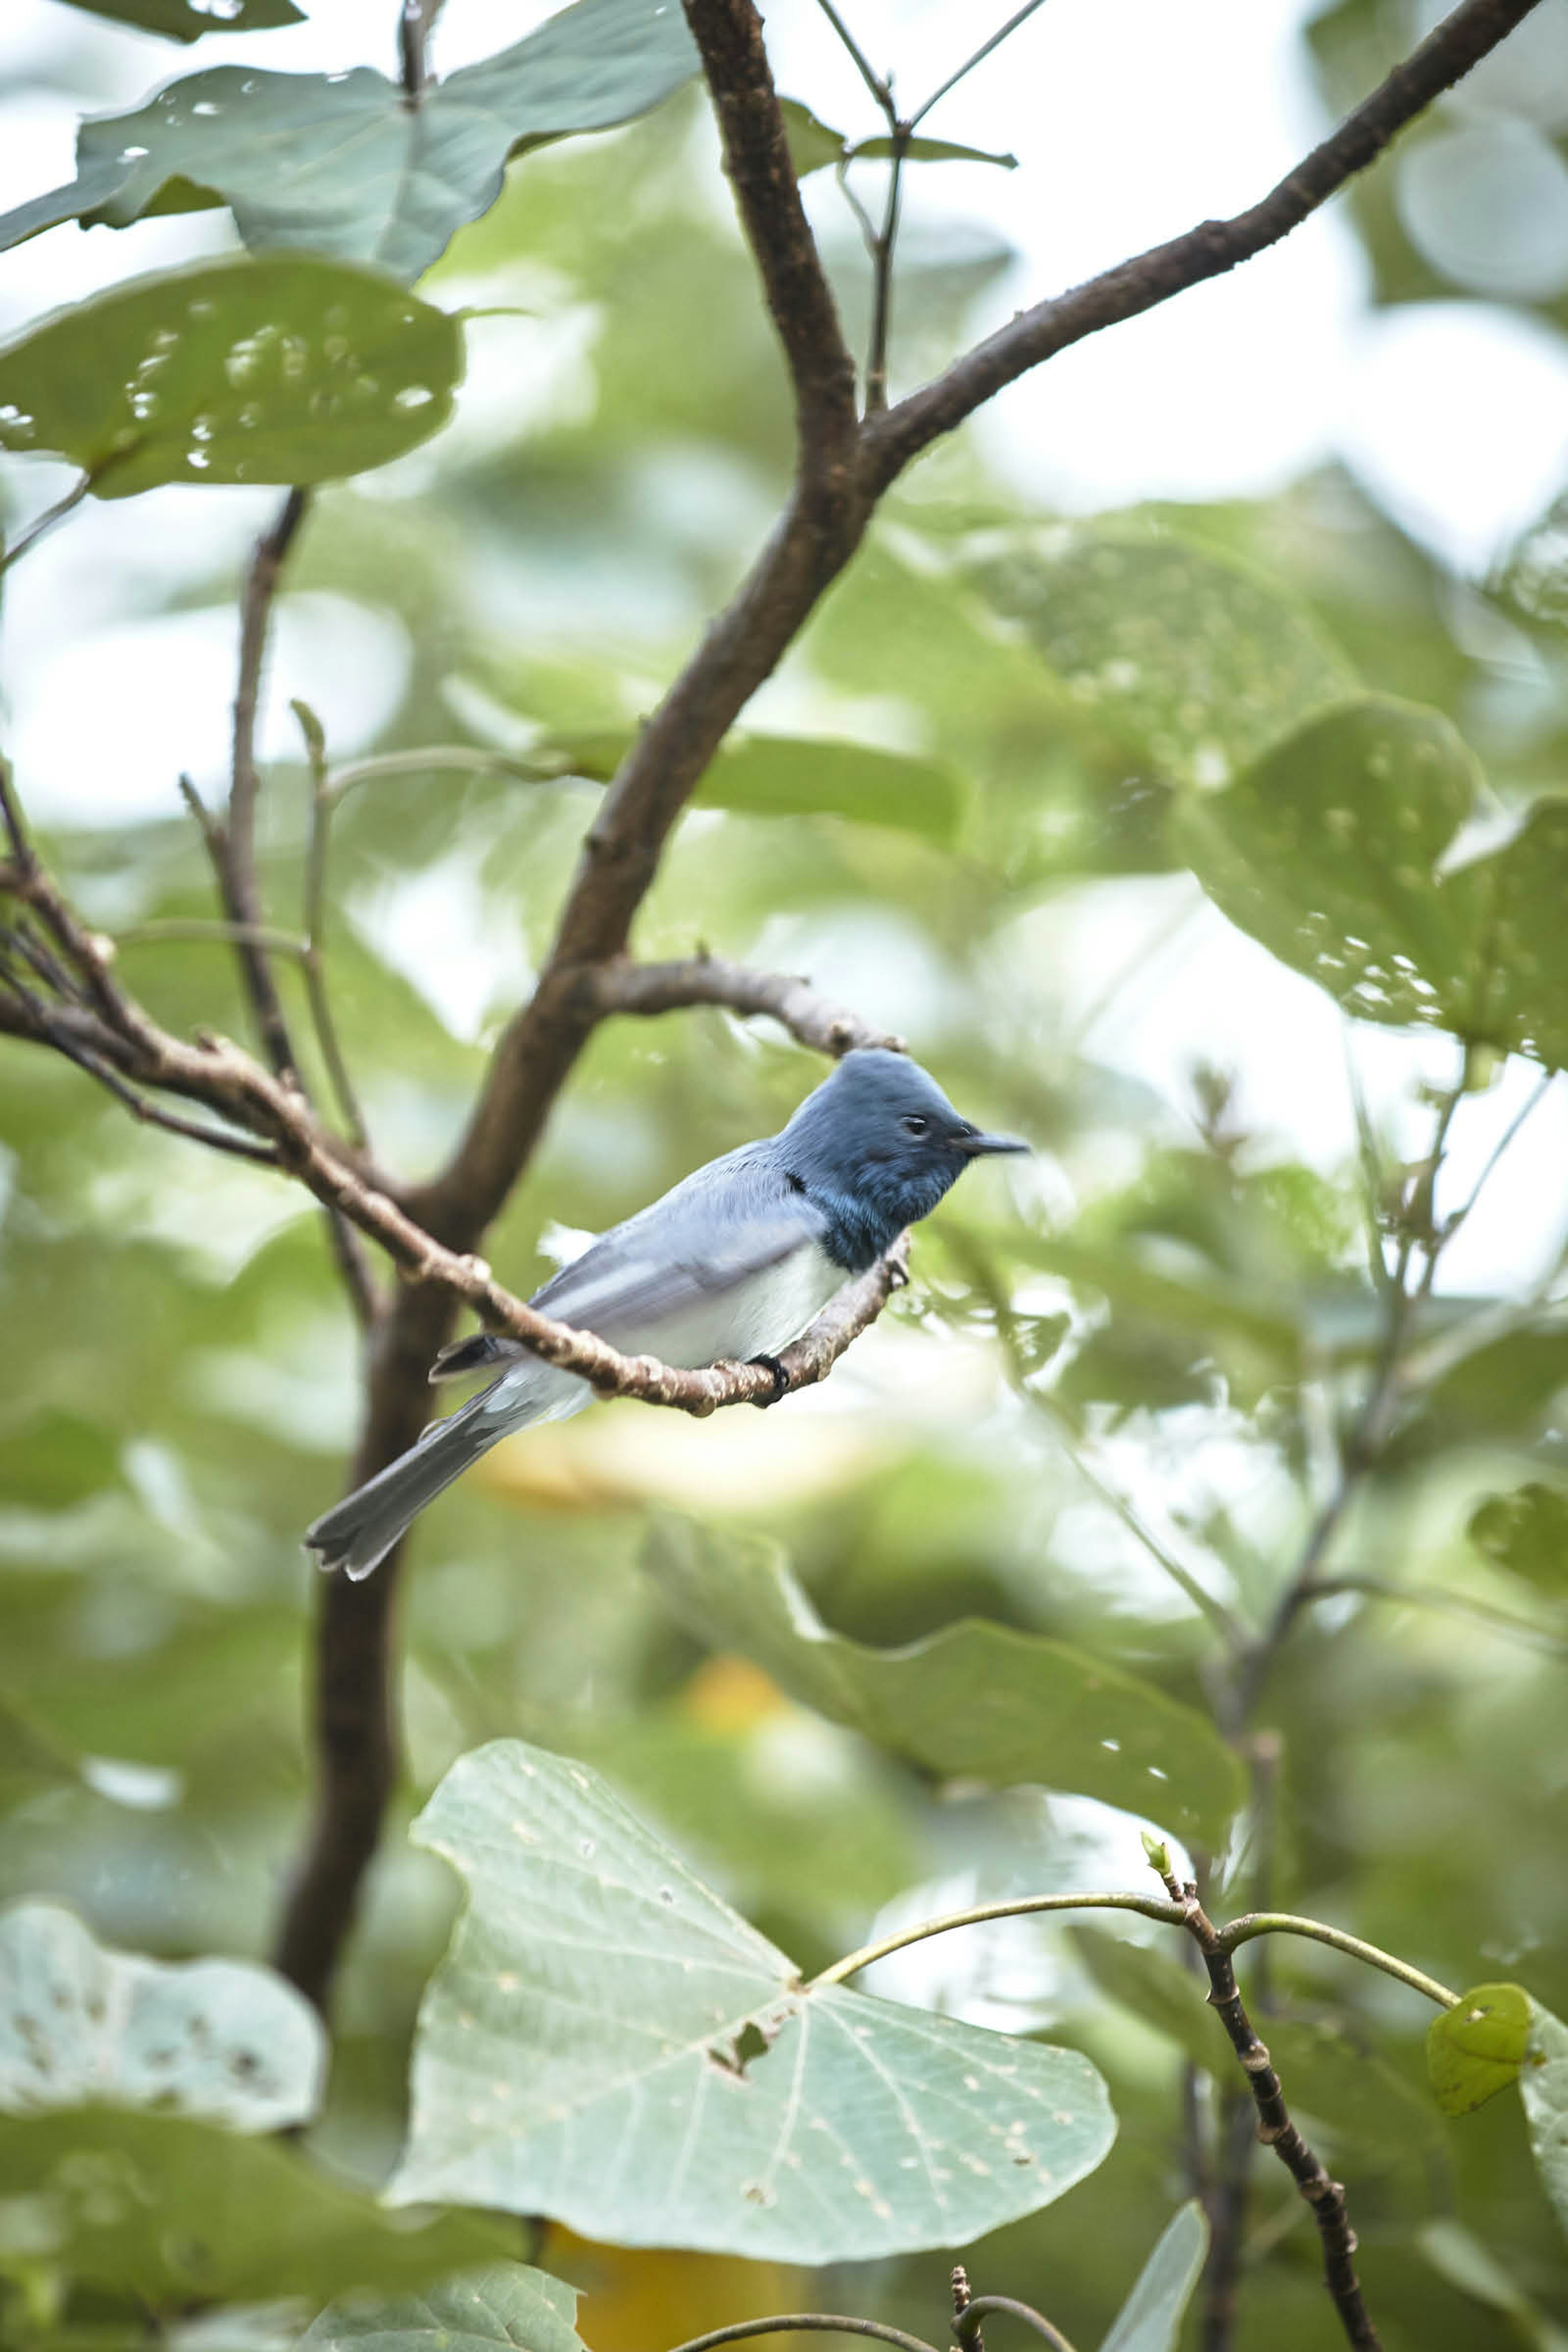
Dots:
pixel 507 2306
pixel 172 2212
pixel 1148 2319
pixel 977 1701
pixel 338 163
pixel 1199 663
pixel 55 1458
pixel 291 369
pixel 793 775
pixel 187 20
pixel 607 2042
pixel 813 144
pixel 1527 1533
pixel 1327 851
pixel 223 2039
pixel 1476 2050
pixel 1543 2087
pixel 932 150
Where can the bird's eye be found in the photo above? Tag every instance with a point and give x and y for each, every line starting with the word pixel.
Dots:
pixel 915 1124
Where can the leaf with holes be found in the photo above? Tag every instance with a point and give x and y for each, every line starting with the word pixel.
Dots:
pixel 1197 662
pixel 608 2044
pixel 1151 2316
pixel 977 1701
pixel 1543 2087
pixel 220 2039
pixel 291 369
pixel 187 20
pixel 342 165
pixel 1476 2049
pixel 506 2308
pixel 1330 851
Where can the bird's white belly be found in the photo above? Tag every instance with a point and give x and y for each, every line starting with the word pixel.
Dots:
pixel 754 1317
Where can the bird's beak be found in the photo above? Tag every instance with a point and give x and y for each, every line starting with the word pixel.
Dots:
pixel 986 1146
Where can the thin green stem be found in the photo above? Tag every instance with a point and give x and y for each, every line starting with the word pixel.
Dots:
pixel 45 523
pixel 805 2323
pixel 1022 1906
pixel 1434 1596
pixel 433 760
pixel 882 275
pixel 198 928
pixel 1253 1924
pixel 873 80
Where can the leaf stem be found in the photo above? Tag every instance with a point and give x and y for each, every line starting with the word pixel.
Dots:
pixel 980 54
pixel 45 523
pixel 805 2323
pixel 1023 1906
pixel 1286 1922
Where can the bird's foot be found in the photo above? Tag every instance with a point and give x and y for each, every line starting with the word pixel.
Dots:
pixel 780 1380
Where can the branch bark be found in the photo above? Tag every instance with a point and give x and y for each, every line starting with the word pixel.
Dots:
pixel 1209 250
pixel 1274 2129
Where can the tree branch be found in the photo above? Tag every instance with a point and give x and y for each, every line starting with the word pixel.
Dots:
pixel 1275 2129
pixel 812 1020
pixel 838 477
pixel 233 842
pixel 1209 250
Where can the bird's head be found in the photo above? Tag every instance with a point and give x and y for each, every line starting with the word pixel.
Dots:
pixel 880 1134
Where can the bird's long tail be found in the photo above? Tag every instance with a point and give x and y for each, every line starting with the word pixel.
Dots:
pixel 357 1534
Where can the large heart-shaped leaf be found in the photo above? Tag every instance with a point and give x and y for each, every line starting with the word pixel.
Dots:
pixel 291 369
pixel 175 2213
pixel 1200 664
pixel 506 2308
pixel 343 165
pixel 607 2042
pixel 187 20
pixel 977 1701
pixel 220 2039
pixel 1330 851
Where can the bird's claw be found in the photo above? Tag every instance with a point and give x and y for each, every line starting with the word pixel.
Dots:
pixel 780 1380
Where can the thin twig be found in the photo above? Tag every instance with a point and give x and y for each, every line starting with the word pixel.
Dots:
pixel 1274 2129
pixel 882 255
pixel 880 89
pixel 979 56
pixel 236 863
pixel 204 929
pixel 315 921
pixel 1209 250
pixel 45 523
pixel 1435 1596
pixel 414 28
pixel 622 986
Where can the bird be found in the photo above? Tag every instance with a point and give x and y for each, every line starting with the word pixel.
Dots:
pixel 731 1265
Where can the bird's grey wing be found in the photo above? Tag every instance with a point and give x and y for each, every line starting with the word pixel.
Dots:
pixel 729 1263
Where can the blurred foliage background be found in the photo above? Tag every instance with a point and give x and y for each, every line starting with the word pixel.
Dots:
pixel 1185 1283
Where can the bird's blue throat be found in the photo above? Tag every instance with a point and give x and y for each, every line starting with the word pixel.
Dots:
pixel 861 1224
